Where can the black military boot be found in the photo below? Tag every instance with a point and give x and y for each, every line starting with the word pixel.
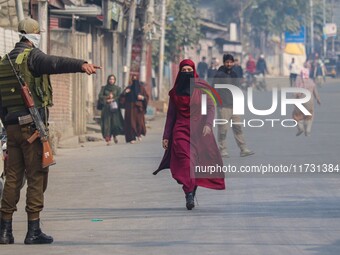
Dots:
pixel 6 235
pixel 35 235
pixel 190 202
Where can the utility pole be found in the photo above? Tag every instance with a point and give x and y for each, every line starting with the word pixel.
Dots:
pixel 324 34
pixel 333 38
pixel 43 23
pixel 161 50
pixel 244 6
pixel 20 10
pixel 148 24
pixel 311 27
pixel 131 27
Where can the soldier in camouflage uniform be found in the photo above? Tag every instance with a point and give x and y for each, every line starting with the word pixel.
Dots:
pixel 25 157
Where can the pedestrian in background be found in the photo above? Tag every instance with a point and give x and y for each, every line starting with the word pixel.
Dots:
pixel 135 100
pixel 112 123
pixel 202 68
pixel 215 64
pixel 188 139
pixel 319 72
pixel 261 66
pixel 305 121
pixel 25 157
pixel 250 71
pixel 226 75
pixel 293 69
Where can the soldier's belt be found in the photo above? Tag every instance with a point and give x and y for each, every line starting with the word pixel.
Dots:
pixel 24 120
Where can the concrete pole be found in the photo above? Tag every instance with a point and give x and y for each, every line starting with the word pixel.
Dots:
pixel 324 35
pixel 311 26
pixel 43 23
pixel 131 27
pixel 148 23
pixel 161 50
pixel 281 54
pixel 333 38
pixel 20 10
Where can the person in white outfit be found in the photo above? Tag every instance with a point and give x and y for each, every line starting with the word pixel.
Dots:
pixel 293 69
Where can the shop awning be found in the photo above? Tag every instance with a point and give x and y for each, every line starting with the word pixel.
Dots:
pixel 295 49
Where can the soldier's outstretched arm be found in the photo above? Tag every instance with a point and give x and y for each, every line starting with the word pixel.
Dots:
pixel 89 68
pixel 40 63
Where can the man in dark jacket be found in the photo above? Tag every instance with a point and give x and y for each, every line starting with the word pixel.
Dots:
pixel 26 158
pixel 202 68
pixel 261 65
pixel 226 75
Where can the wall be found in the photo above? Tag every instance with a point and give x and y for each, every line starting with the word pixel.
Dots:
pixel 8 38
pixel 9 25
pixel 8 15
pixel 61 112
pixel 71 91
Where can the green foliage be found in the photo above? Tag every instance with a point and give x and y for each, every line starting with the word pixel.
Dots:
pixel 271 16
pixel 226 11
pixel 277 17
pixel 318 17
pixel 182 27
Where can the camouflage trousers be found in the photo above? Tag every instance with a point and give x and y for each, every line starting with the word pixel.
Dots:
pixel 23 159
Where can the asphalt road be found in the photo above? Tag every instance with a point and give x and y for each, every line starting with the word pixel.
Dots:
pixel 104 199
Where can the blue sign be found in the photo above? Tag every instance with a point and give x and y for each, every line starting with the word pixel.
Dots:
pixel 298 37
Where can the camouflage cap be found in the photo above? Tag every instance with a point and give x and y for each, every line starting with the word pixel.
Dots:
pixel 29 26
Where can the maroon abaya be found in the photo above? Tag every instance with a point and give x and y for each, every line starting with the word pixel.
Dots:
pixel 187 146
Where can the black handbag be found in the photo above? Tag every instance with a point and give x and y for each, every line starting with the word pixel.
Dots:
pixel 100 102
pixel 100 105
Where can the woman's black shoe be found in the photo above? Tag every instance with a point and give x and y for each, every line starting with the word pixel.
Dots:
pixel 190 202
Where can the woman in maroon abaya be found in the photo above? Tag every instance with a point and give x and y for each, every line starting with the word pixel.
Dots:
pixel 188 139
pixel 135 101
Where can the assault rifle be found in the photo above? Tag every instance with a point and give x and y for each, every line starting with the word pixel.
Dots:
pixel 47 157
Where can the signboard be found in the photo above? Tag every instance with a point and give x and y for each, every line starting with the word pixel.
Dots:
pixel 330 30
pixel 298 37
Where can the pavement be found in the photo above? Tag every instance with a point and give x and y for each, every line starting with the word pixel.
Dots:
pixel 104 199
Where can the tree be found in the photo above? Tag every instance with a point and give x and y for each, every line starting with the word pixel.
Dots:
pixel 182 27
pixel 268 17
pixel 227 11
pixel 277 17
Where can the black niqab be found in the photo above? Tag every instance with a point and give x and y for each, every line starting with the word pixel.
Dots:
pixel 183 83
pixel 135 91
